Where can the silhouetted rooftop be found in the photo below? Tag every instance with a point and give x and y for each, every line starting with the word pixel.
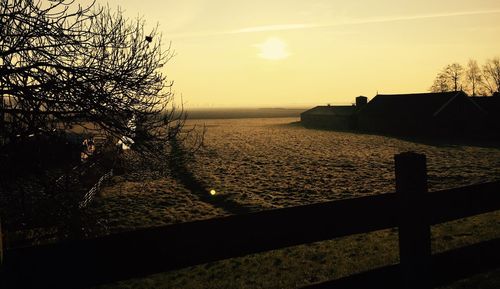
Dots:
pixel 413 105
pixel 333 110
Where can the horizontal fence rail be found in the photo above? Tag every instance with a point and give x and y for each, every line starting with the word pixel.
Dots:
pixel 83 263
pixel 153 250
pixel 448 205
pixel 448 267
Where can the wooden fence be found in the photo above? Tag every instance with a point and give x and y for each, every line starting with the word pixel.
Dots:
pixel 84 263
pixel 84 174
pixel 89 196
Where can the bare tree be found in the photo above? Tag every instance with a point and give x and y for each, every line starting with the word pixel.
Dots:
pixel 122 69
pixel 473 76
pixel 454 73
pixel 63 64
pixel 441 83
pixel 491 75
pixel 36 43
pixel 449 79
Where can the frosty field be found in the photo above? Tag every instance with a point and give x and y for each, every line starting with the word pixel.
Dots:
pixel 257 164
pixel 272 163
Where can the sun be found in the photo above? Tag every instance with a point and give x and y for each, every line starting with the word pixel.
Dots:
pixel 273 49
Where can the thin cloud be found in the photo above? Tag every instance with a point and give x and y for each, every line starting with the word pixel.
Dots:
pixel 424 16
pixel 301 26
pixel 274 28
pixel 282 27
pixel 277 27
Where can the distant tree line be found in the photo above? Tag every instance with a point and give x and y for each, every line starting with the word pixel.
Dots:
pixel 63 64
pixel 475 80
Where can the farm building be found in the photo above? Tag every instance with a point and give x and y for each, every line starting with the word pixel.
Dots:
pixel 433 114
pixel 342 117
pixel 490 104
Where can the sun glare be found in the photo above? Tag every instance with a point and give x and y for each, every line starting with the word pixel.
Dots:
pixel 273 49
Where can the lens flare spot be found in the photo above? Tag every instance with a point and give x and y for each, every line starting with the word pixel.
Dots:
pixel 213 192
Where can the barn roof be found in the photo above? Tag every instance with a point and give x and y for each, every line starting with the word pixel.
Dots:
pixel 413 105
pixel 332 110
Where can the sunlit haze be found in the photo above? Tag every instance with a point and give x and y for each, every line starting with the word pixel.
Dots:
pixel 289 53
pixel 273 49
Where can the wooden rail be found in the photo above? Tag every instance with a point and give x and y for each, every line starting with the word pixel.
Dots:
pixel 447 267
pixel 83 263
pixel 89 196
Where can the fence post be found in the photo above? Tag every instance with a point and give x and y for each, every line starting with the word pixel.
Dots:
pixel 414 230
pixel 1 246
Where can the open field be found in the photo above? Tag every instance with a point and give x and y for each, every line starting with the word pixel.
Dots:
pixel 233 113
pixel 257 164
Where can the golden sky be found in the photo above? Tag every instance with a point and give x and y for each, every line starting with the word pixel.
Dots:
pixel 289 53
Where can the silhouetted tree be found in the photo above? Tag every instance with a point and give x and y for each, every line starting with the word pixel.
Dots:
pixel 473 77
pixel 475 80
pixel 441 83
pixel 491 75
pixel 37 43
pixel 64 64
pixel 454 73
pixel 449 79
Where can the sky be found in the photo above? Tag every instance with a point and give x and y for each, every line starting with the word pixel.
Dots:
pixel 290 53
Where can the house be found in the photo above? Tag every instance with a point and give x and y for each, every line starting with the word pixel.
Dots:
pixel 431 114
pixel 341 117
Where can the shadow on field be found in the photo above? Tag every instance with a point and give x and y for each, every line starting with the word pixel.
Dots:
pixel 437 141
pixel 178 166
